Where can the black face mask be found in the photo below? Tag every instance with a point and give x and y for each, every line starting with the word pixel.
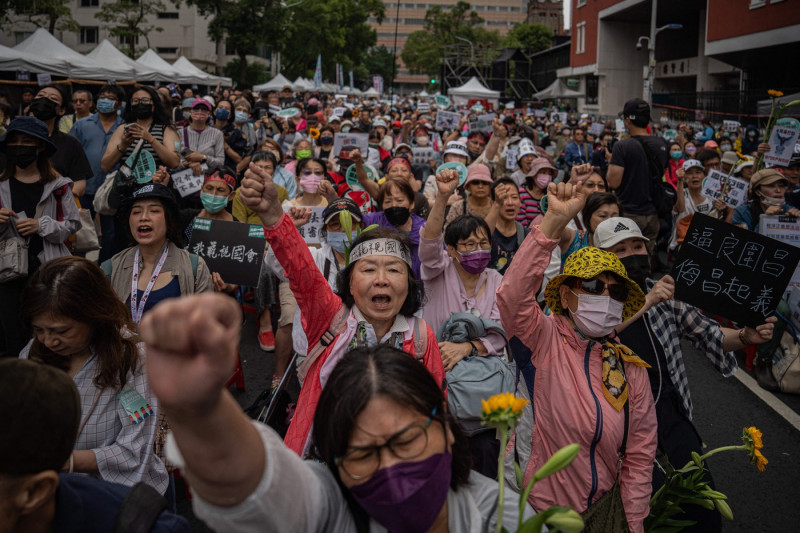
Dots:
pixel 638 269
pixel 397 216
pixel 142 111
pixel 44 109
pixel 21 156
pixel 326 141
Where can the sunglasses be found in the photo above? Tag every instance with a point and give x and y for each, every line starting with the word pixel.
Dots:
pixel 617 291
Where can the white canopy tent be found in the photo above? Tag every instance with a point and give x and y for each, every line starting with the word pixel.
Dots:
pixel 473 89
pixel 371 92
pixel 275 84
pixel 301 84
pixel 203 78
pixel 106 53
pixel 11 59
pixel 555 90
pixel 424 93
pixel 152 60
pixel 43 45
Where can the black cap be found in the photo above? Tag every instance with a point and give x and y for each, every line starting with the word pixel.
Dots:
pixel 153 190
pixel 339 205
pixel 29 126
pixel 635 109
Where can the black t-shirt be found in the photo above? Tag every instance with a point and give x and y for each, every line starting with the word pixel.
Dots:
pixel 635 192
pixel 636 338
pixel 70 160
pixel 24 199
pixel 503 249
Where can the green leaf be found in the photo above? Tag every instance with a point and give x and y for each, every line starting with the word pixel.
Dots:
pixel 566 520
pixel 679 523
pixel 534 524
pixel 560 460
pixel 518 474
pixel 697 460
pixel 724 509
pixel 707 504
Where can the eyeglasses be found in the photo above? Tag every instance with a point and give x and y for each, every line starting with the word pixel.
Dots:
pixel 203 110
pixel 410 443
pixel 146 100
pixel 308 173
pixel 617 291
pixel 471 246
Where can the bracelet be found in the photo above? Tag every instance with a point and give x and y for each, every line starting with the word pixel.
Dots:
pixel 71 462
pixel 742 338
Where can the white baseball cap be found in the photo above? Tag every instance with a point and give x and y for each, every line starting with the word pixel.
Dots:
pixel 525 147
pixel 616 229
pixel 693 163
pixel 457 148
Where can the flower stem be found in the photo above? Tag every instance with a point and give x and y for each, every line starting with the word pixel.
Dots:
pixel 722 449
pixel 498 528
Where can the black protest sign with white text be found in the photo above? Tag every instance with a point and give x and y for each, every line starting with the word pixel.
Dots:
pixel 235 250
pixel 732 272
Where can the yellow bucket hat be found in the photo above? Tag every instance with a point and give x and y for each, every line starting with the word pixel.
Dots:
pixel 587 263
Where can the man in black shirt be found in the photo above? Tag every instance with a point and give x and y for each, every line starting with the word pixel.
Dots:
pixel 629 173
pixel 508 234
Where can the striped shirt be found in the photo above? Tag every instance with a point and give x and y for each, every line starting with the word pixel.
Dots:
pixel 528 208
pixel 157 130
pixel 209 142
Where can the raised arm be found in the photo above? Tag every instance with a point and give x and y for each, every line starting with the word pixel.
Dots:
pixel 446 184
pixel 370 186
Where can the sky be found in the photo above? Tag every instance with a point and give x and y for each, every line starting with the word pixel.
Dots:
pixel 567 5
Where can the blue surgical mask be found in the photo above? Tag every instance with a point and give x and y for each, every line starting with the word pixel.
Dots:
pixel 222 114
pixel 213 203
pixel 105 105
pixel 240 117
pixel 338 239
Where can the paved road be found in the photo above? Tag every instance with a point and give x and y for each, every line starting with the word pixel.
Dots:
pixel 761 501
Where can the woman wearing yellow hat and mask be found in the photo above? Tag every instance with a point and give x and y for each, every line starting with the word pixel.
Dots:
pixel 587 388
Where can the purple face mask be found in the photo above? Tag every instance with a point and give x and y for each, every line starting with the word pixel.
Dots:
pixel 475 262
pixel 407 497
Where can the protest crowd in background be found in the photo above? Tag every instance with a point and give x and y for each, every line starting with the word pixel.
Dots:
pixel 550 247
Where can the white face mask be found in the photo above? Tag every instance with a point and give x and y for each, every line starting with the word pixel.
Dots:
pixel 597 316
pixel 778 202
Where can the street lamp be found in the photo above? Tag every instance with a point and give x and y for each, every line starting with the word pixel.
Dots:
pixel 651 47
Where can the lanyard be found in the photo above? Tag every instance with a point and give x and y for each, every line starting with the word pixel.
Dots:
pixel 136 311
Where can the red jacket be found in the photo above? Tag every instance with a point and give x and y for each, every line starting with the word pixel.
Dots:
pixel 318 306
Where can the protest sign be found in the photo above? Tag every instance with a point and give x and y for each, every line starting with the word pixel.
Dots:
pixel 461 168
pixel 311 231
pixel 511 158
pixel 731 125
pixel 442 101
pixel 781 142
pixel 619 125
pixel 235 250
pixel 447 120
pixel 481 123
pixel 539 113
pixel 730 271
pixel 339 111
pixel 423 107
pixel 423 155
pixel 289 112
pixel 358 140
pixel 597 128
pixel 559 116
pixel 352 177
pixel 44 79
pixel 785 229
pixel 733 191
pixel 187 183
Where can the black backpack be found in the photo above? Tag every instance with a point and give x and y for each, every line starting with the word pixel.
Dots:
pixel 662 193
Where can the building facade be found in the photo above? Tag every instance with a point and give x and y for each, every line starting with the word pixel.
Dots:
pixel 724 50
pixel 404 18
pixel 550 13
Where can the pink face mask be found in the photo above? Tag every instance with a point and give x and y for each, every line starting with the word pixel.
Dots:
pixel 542 180
pixel 310 183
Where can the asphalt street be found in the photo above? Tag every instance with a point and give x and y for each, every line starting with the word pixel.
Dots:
pixel 761 501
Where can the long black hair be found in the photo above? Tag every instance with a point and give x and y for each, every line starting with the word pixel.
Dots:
pixel 362 375
pixel 595 201
pixel 160 115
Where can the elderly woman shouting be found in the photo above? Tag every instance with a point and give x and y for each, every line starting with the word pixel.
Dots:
pixel 588 388
pixel 377 298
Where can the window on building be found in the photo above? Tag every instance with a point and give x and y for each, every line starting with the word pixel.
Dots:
pixel 757 3
pixel 167 50
pixel 581 3
pixel 90 3
pixel 580 38
pixel 89 34
pixel 20 36
pixel 592 86
pixel 168 15
pixel 125 40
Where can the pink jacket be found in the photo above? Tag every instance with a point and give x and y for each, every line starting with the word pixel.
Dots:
pixel 568 401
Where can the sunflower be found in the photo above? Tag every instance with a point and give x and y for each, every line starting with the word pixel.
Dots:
pixel 314 133
pixel 775 94
pixel 751 437
pixel 760 461
pixel 502 408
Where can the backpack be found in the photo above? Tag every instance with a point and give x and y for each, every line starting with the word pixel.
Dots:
pixel 140 509
pixel 662 194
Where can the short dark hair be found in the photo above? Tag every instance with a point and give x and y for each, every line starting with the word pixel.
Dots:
pixel 303 163
pixel 462 227
pixel 364 374
pixel 416 296
pixel 706 154
pixel 115 89
pixel 480 134
pixel 172 218
pixel 400 185
pixel 502 181
pixel 265 155
pixel 595 201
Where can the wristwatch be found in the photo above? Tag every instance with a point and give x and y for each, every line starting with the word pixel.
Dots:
pixel 474 351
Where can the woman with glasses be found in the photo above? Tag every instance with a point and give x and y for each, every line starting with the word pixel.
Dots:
pixel 387 453
pixel 311 176
pixel 145 118
pixel 587 388
pixel 201 144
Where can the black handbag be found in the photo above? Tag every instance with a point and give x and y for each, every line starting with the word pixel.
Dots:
pixel 607 514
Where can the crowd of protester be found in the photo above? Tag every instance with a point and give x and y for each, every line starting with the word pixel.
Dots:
pixel 542 237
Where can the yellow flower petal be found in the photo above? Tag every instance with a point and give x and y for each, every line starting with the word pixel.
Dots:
pixel 761 461
pixel 756 435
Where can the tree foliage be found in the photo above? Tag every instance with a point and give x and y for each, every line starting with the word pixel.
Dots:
pixel 529 37
pixel 424 50
pixel 130 19
pixel 378 61
pixel 256 73
pixel 50 14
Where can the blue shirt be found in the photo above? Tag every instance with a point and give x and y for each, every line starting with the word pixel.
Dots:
pixel 86 505
pixel 89 131
pixel 285 179
pixel 742 215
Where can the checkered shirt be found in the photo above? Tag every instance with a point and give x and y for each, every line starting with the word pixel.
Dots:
pixel 672 320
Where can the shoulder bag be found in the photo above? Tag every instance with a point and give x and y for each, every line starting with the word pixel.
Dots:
pixel 106 199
